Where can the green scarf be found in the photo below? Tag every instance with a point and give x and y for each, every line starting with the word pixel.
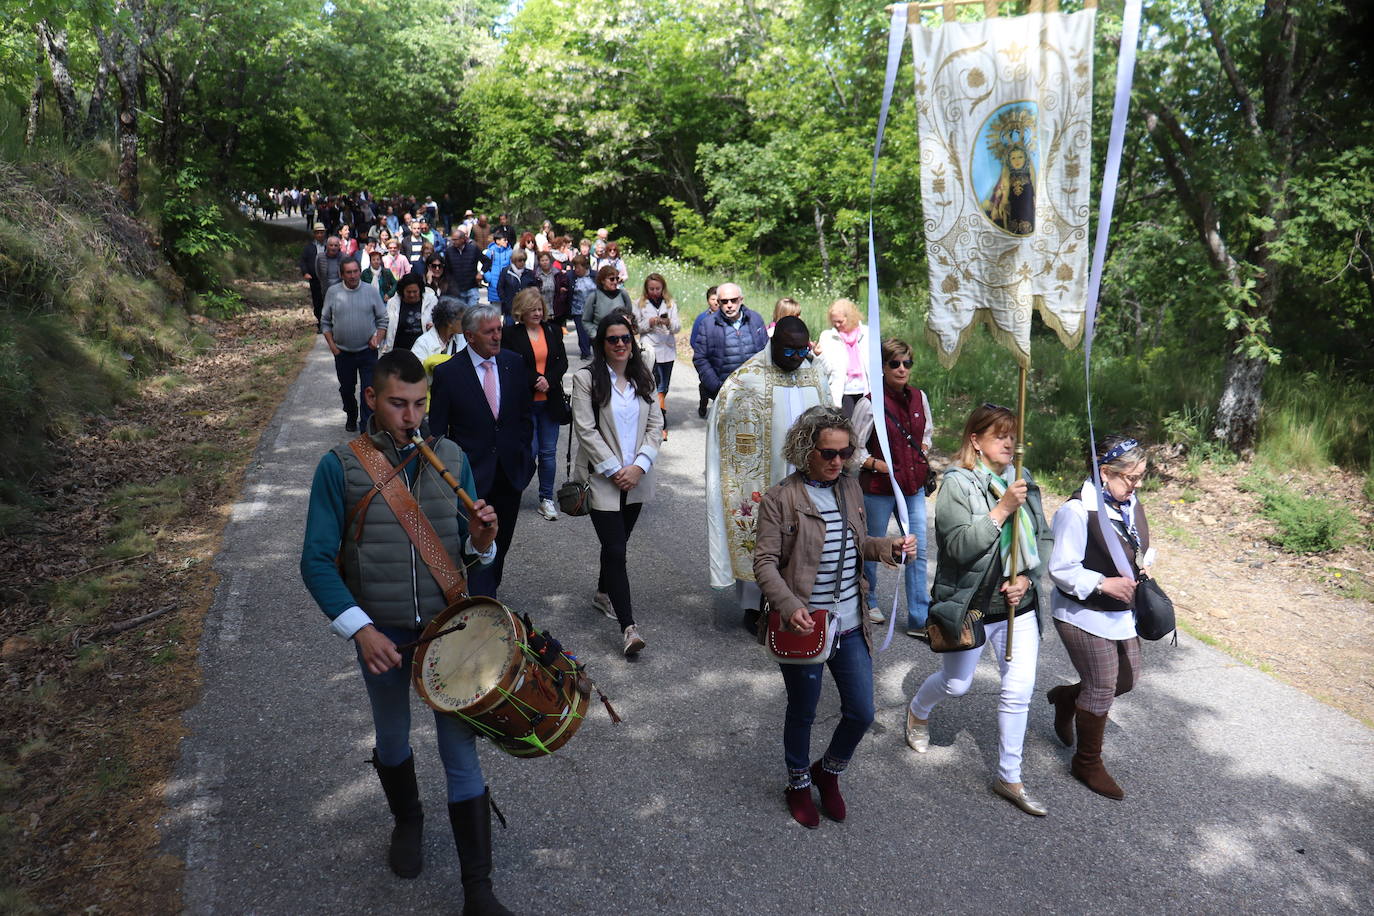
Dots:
pixel 1028 555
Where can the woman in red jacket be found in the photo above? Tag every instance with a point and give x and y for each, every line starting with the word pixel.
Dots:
pixel 907 412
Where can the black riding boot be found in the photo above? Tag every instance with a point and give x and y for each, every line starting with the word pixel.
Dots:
pixel 471 822
pixel 403 797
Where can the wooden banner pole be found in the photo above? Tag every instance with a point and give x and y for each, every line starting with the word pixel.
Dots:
pixel 1020 461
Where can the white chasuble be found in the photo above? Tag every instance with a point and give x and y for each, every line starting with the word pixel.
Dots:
pixel 1005 113
pixel 745 430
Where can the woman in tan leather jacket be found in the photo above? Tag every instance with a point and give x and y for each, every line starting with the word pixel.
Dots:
pixel 811 543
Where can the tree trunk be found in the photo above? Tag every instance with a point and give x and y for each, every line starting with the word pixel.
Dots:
pixel 820 242
pixel 35 107
pixel 1238 413
pixel 95 111
pixel 120 54
pixel 54 45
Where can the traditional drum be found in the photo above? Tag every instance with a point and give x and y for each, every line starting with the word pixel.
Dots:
pixel 502 676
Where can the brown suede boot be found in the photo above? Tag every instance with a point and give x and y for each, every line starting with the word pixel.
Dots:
pixel 1086 765
pixel 1062 699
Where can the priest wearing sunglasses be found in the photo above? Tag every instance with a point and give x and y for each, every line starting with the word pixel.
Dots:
pixel 748 421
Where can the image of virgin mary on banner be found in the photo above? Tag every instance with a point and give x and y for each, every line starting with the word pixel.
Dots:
pixel 1005 113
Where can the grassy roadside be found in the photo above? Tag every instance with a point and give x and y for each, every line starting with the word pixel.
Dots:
pixel 130 518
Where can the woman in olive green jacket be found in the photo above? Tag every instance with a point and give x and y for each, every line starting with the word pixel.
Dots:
pixel 978 513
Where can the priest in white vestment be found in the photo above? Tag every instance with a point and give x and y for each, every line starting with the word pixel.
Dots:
pixel 745 429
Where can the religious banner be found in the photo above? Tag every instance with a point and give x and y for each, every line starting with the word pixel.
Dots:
pixel 1005 114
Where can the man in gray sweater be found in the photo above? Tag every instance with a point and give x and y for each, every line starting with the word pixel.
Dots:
pixel 354 325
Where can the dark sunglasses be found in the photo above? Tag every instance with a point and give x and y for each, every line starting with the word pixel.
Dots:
pixel 830 454
pixel 795 352
pixel 618 338
pixel 991 406
pixel 900 363
pixel 728 301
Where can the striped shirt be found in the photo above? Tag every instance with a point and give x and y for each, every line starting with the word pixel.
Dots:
pixel 846 605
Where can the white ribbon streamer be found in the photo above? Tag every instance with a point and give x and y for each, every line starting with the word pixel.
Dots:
pixel 896 36
pixel 1125 75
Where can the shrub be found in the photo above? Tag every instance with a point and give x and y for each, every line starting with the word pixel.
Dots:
pixel 1302 524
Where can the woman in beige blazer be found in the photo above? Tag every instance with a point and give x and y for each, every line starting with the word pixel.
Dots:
pixel 617 428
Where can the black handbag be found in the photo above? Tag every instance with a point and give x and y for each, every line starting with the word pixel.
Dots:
pixel 575 496
pixel 1154 612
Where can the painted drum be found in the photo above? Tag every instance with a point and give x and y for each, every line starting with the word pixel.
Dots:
pixel 501 677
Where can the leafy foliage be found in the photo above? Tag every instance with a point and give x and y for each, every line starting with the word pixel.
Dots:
pixel 1303 524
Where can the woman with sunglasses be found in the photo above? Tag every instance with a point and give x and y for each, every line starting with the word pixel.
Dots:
pixel 617 428
pixel 907 414
pixel 435 280
pixel 979 511
pixel 1093 604
pixel 608 297
pixel 811 539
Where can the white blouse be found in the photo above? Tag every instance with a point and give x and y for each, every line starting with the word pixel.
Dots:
pixel 626 407
pixel 1072 577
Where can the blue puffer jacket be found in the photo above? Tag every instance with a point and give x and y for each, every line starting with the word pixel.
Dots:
pixel 500 260
pixel 719 349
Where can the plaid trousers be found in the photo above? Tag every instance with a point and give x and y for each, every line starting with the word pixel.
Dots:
pixel 1107 667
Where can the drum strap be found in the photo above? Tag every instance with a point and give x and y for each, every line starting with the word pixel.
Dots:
pixel 391 485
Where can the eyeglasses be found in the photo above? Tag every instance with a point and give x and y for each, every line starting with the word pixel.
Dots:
pixel 1132 479
pixel 618 338
pixel 728 301
pixel 900 363
pixel 830 454
pixel 988 405
pixel 795 352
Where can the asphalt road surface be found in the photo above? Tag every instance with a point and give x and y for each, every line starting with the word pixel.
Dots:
pixel 1243 794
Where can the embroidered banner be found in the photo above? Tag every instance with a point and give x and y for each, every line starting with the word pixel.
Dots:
pixel 1005 113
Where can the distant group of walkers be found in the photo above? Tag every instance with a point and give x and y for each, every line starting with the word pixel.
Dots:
pixel 462 338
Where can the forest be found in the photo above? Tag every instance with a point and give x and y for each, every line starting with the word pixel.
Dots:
pixel 735 135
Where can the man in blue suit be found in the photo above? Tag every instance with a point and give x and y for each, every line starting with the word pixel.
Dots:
pixel 482 401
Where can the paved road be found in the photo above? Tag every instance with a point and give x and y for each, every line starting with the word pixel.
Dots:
pixel 1243 793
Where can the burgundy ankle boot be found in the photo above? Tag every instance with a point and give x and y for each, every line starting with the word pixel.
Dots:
pixel 832 802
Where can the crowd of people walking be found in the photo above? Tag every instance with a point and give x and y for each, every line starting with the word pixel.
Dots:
pixel 467 336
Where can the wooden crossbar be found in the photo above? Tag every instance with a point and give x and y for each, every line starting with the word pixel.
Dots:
pixel 948 7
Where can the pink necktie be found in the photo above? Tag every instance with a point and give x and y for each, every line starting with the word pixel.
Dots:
pixel 489 387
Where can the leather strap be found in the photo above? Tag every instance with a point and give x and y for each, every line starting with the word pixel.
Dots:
pixel 389 482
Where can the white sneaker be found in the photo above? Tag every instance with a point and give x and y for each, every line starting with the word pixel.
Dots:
pixel 548 509
pixel 633 641
pixel 875 616
pixel 602 602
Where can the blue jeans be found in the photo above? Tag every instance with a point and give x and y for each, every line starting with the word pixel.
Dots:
pixel 389 695
pixel 852 668
pixel 663 375
pixel 584 341
pixel 880 508
pixel 468 296
pixel 355 375
pixel 545 447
